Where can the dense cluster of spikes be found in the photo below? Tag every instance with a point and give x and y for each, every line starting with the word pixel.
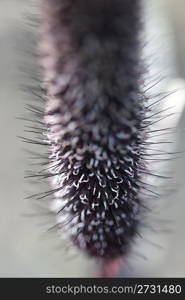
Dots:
pixel 95 121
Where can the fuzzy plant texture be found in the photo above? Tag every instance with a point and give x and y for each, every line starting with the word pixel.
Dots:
pixel 96 120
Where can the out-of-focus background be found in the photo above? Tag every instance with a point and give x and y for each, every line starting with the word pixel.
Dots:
pixel 25 249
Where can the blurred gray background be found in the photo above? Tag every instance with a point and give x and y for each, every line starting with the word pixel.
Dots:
pixel 25 249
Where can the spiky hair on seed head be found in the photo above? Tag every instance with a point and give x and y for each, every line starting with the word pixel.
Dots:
pixel 91 62
pixel 95 119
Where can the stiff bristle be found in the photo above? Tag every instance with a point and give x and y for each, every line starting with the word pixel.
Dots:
pixel 95 120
